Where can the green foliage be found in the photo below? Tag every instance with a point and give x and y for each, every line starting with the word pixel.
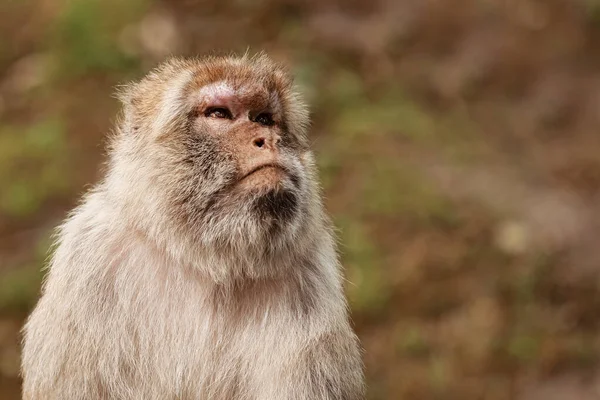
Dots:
pixel 457 137
pixel 390 112
pixel 368 291
pixel 20 284
pixel 346 88
pixel 396 189
pixel 306 77
pixel 388 115
pixel 391 186
pixel 524 347
pixel 583 349
pixel 33 168
pixel 87 32
pixel 330 165
pixel 412 343
pixel 438 374
pixel 19 288
pixel 592 8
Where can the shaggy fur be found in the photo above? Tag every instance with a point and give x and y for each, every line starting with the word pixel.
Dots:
pixel 171 282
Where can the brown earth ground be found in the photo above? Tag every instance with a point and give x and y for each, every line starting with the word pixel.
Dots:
pixel 459 149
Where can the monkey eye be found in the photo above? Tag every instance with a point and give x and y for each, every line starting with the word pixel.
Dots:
pixel 218 112
pixel 265 119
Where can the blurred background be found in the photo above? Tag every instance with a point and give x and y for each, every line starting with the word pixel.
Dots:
pixel 459 149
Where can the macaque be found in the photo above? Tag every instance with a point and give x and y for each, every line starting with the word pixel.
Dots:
pixel 202 265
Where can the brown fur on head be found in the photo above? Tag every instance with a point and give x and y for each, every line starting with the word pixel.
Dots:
pixel 213 154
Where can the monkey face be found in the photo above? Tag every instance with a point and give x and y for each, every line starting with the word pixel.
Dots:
pixel 244 126
pixel 236 158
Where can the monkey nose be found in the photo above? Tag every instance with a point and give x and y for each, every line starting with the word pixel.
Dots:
pixel 266 142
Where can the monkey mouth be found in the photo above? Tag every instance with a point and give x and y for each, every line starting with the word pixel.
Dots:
pixel 276 168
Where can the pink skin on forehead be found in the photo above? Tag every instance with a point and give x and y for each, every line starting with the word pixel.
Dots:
pixel 221 94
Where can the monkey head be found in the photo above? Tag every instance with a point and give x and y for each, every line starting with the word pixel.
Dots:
pixel 215 150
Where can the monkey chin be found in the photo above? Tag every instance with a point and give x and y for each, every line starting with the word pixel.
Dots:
pixel 274 194
pixel 277 205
